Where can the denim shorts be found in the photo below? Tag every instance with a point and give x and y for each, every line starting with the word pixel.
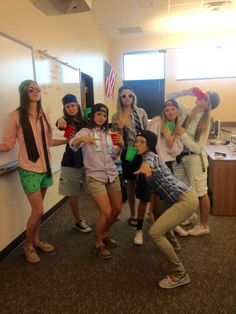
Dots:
pixel 34 181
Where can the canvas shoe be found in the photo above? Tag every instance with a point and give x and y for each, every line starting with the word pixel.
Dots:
pixel 138 239
pixel 102 252
pixel 44 246
pixel 82 226
pixel 199 230
pixel 181 232
pixel 193 219
pixel 169 283
pixel 31 255
pixel 108 241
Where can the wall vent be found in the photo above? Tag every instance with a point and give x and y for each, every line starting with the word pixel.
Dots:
pixel 216 5
pixel 130 30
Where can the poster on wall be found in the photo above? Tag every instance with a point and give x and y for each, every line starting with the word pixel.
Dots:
pixel 56 79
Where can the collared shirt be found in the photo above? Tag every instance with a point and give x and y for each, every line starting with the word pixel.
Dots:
pixel 14 133
pixel 162 181
pixel 130 129
pixel 98 160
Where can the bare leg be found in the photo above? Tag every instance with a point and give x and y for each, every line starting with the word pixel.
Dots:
pixel 104 219
pixel 33 223
pixel 204 203
pixel 73 202
pixel 116 204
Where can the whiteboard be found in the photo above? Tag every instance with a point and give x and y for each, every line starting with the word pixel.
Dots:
pixel 55 79
pixel 16 65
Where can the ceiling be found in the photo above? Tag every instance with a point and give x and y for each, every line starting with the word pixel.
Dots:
pixel 126 19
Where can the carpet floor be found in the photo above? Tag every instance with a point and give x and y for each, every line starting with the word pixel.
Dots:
pixel 73 280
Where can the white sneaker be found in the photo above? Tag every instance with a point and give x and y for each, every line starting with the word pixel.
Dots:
pixel 199 230
pixel 138 239
pixel 169 283
pixel 181 232
pixel 191 220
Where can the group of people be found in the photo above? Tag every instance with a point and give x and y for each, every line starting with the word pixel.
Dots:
pixel 169 170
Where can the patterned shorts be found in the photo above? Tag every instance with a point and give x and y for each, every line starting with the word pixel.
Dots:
pixel 34 181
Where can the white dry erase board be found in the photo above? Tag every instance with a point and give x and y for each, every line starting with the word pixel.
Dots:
pixel 16 65
pixel 56 79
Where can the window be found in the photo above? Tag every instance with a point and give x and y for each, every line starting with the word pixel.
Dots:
pixel 144 65
pixel 206 63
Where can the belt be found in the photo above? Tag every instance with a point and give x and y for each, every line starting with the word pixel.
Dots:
pixel 179 157
pixel 186 153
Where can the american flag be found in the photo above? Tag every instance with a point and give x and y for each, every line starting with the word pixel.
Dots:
pixel 110 79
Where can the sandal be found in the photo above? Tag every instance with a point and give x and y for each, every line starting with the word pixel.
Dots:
pixel 133 221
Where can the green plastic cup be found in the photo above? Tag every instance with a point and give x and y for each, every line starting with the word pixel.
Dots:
pixel 131 153
pixel 86 112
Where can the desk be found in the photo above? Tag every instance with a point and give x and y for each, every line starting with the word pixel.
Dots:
pixel 222 181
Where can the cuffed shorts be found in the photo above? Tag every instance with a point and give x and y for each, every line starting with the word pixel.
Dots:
pixel 70 181
pixel 34 181
pixel 96 187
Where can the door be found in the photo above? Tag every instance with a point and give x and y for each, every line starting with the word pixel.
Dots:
pixel 87 93
pixel 150 94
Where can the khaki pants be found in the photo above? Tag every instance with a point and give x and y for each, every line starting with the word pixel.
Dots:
pixel 169 218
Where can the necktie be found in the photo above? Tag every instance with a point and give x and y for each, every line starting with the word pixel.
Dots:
pixel 137 122
pixel 49 172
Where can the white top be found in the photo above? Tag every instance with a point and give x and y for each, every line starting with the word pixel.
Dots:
pixel 165 153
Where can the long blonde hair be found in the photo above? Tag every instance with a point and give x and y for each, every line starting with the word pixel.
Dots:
pixel 119 106
pixel 174 103
pixel 202 125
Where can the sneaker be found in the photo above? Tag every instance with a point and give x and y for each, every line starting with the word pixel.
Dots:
pixel 169 283
pixel 31 255
pixel 181 232
pixel 199 230
pixel 82 226
pixel 138 239
pixel 44 246
pixel 108 241
pixel 102 252
pixel 191 220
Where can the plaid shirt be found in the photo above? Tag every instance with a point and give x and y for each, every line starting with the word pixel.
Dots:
pixel 162 181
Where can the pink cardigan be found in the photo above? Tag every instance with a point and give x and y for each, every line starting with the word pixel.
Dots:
pixel 14 132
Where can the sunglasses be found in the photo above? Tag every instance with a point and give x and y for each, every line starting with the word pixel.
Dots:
pixel 32 90
pixel 126 96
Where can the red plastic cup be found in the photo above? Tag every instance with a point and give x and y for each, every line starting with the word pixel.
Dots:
pixel 198 93
pixel 69 131
pixel 114 137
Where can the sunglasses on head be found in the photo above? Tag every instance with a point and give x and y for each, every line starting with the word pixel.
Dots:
pixel 126 96
pixel 32 90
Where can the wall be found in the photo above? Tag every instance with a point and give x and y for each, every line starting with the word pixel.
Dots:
pixel 225 87
pixel 84 48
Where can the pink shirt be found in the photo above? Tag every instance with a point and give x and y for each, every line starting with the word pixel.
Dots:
pixel 14 132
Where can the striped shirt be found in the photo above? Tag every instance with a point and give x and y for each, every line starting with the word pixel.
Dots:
pixel 162 181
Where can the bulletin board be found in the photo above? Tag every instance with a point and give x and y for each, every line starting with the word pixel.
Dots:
pixel 56 79
pixel 16 65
